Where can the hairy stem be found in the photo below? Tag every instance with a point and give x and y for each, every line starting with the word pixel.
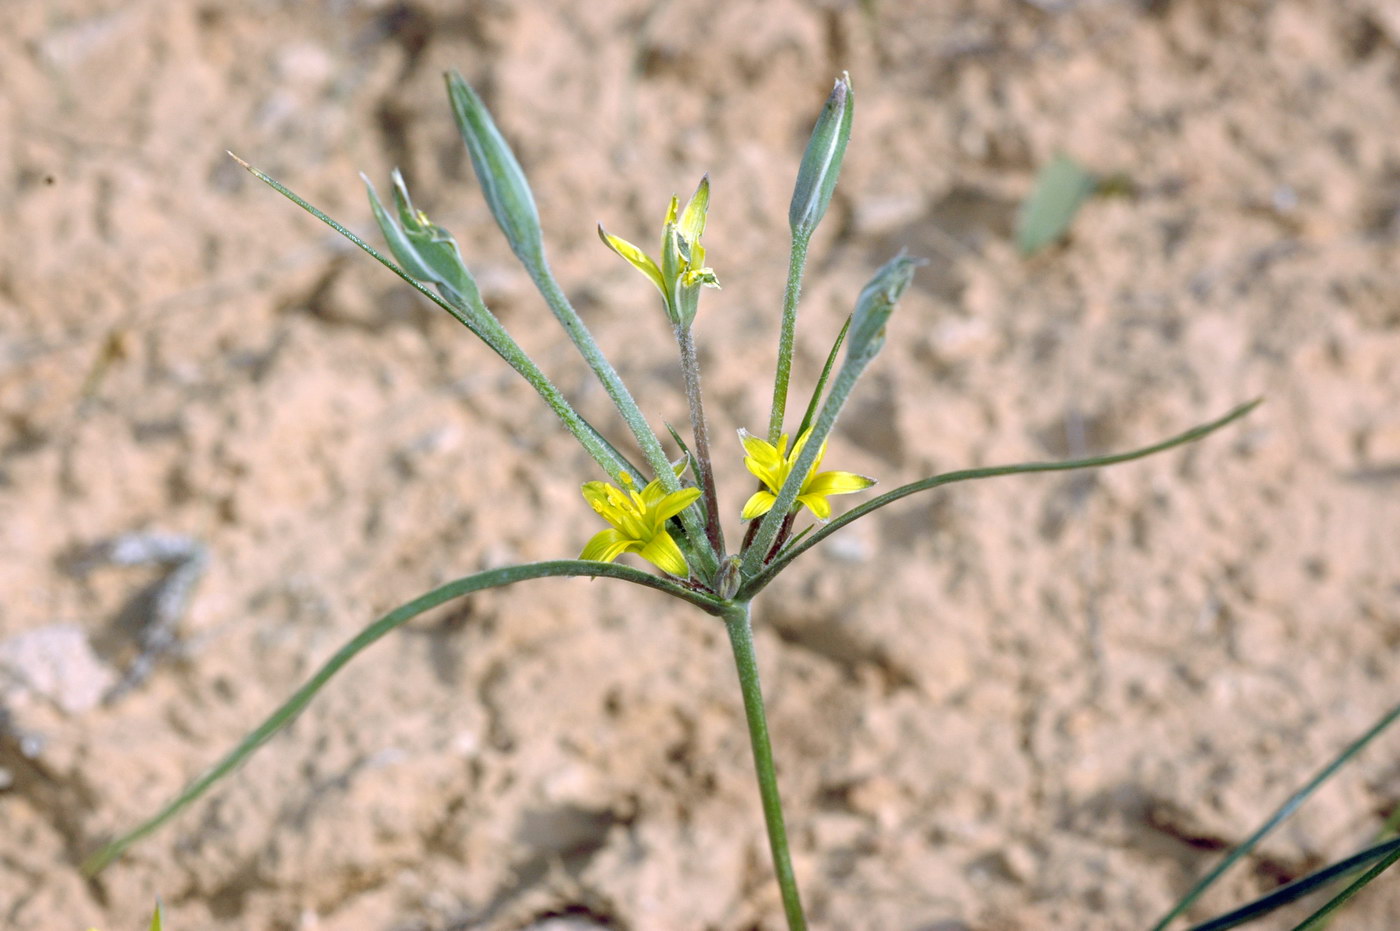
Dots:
pixel 736 619
pixel 622 399
pixel 690 366
pixel 797 261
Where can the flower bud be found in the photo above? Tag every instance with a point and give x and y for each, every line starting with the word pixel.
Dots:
pixel 874 306
pixel 426 251
pixel 730 578
pixel 821 163
pixel 501 178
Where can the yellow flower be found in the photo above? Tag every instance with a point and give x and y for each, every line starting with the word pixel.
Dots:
pixel 638 523
pixel 772 468
pixel 682 270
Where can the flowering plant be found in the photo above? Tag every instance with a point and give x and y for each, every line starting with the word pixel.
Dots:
pixel 662 510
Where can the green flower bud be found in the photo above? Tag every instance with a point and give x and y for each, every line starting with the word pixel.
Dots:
pixel 821 163
pixel 874 306
pixel 501 178
pixel 730 578
pixel 426 251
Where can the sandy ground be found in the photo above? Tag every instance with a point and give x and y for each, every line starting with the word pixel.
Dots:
pixel 1039 702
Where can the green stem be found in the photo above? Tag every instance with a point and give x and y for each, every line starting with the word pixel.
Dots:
pixel 797 261
pixel 690 367
pixel 626 406
pixel 473 314
pixel 736 619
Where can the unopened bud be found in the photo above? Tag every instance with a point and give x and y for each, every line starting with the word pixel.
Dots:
pixel 821 163
pixel 874 306
pixel 727 585
pixel 424 250
pixel 501 178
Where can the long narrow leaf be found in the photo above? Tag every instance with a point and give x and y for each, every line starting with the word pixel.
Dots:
pixel 302 697
pixel 1284 811
pixel 1317 918
pixel 821 382
pixel 762 578
pixel 486 327
pixel 1386 852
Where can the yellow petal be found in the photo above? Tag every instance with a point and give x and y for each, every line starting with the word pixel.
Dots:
pixel 836 483
pixel 761 449
pixel 596 494
pixel 637 257
pixel 759 503
pixel 663 553
pixel 764 461
pixel 817 504
pixel 674 503
pixel 801 444
pixel 605 546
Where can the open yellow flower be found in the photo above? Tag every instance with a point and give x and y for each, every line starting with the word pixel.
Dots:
pixel 638 521
pixel 682 270
pixel 772 468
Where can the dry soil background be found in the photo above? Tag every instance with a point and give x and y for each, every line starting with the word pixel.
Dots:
pixel 1039 702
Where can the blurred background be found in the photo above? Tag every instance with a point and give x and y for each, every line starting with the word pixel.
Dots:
pixel 228 441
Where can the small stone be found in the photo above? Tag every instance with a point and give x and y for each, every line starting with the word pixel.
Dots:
pixel 55 664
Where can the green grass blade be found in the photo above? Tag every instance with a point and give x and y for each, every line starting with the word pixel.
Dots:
pixel 1060 190
pixel 821 382
pixel 680 441
pixel 303 696
pixel 761 579
pixel 1386 852
pixel 1319 917
pixel 1284 811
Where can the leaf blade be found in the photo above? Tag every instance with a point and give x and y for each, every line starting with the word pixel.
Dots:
pixel 288 710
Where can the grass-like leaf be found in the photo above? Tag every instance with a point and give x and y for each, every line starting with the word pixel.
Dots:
pixel 1293 803
pixel 1386 852
pixel 475 317
pixel 302 697
pixel 1320 917
pixel 762 578
pixel 813 404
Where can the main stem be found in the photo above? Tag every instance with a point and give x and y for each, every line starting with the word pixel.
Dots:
pixel 690 366
pixel 736 619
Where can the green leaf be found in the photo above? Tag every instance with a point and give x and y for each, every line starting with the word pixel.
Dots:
pixel 1386 852
pixel 1060 190
pixel 1293 803
pixel 821 382
pixel 156 919
pixel 760 579
pixel 1319 917
pixel 303 696
pixel 475 317
pixel 694 463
